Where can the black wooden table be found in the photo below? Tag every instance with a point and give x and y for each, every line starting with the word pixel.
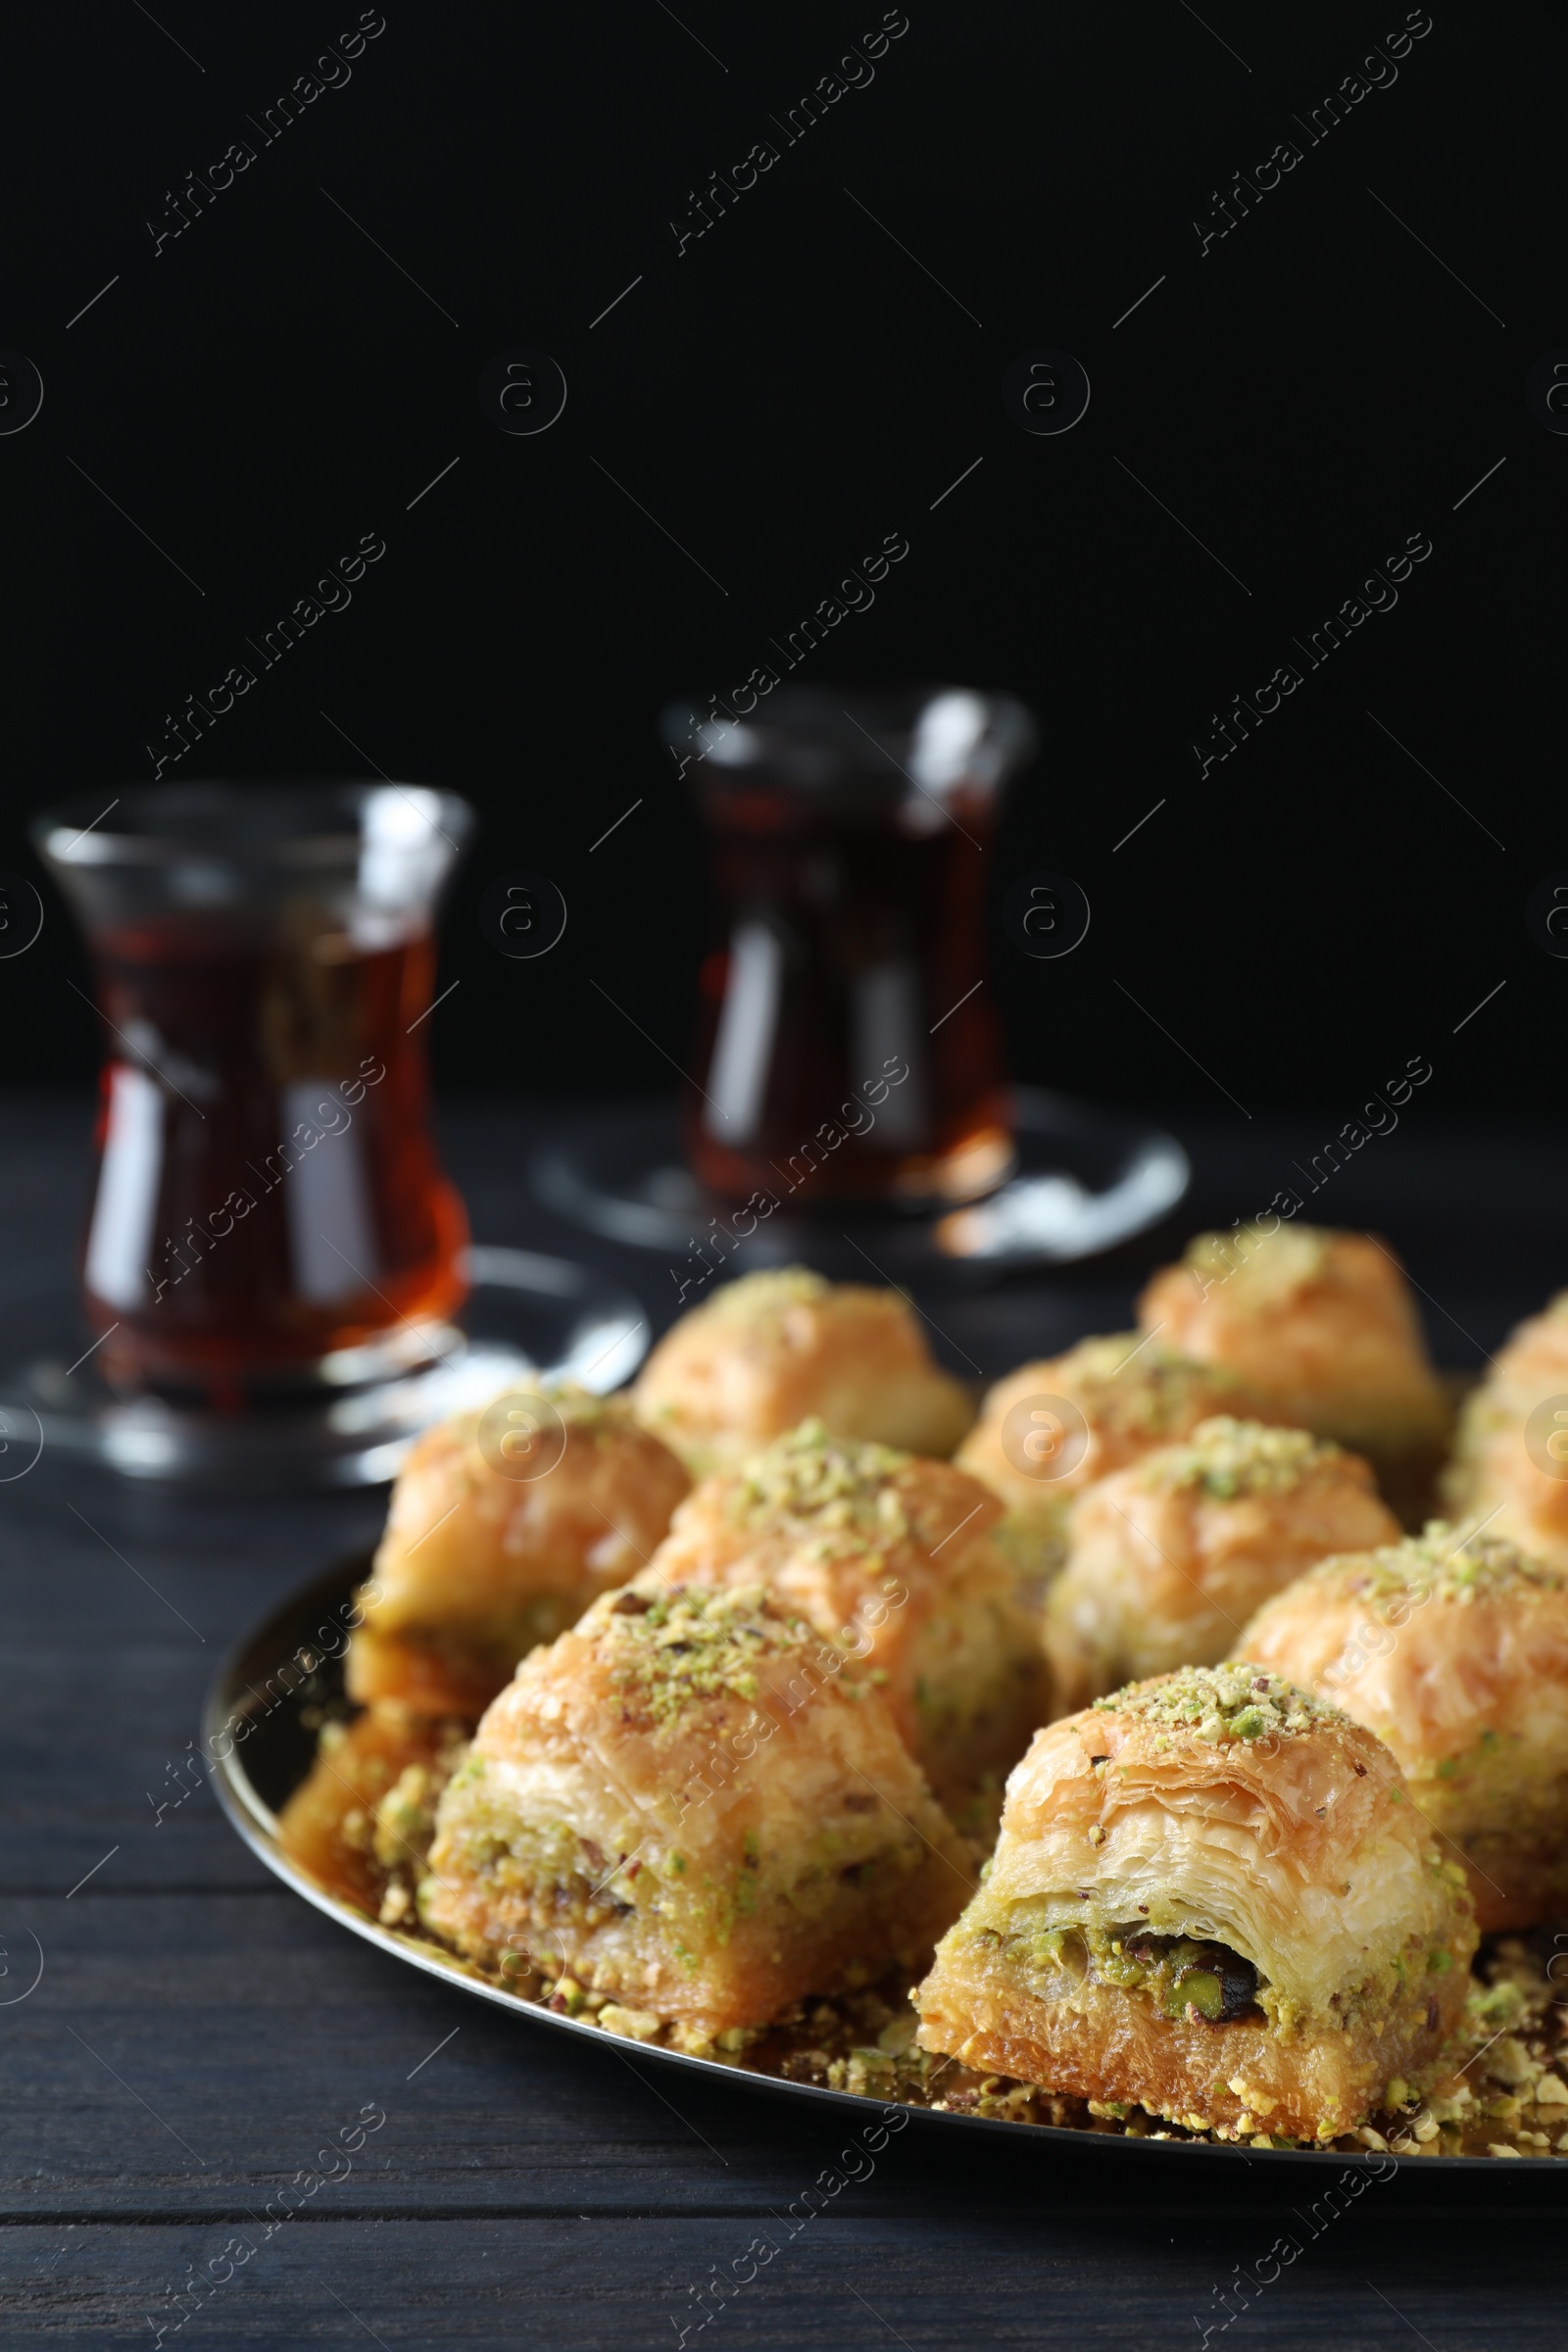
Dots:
pixel 199 2036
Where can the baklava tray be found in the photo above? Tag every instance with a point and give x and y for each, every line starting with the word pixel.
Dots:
pixel 260 1737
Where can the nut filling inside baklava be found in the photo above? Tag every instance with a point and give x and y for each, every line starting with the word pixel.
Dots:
pixel 1180 1976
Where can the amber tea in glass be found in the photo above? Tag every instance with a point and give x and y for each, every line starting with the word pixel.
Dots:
pixel 848 1047
pixel 267 1209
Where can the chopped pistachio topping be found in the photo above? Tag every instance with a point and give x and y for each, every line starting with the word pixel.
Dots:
pixel 813 1475
pixel 1271 1264
pixel 1443 1563
pixel 578 1407
pixel 689 1643
pixel 1223 1703
pixel 756 1296
pixel 1126 1383
pixel 1226 1458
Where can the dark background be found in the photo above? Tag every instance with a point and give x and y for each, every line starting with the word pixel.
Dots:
pixel 269 387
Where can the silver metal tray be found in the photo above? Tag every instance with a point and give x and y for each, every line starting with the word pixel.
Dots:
pixel 260 1737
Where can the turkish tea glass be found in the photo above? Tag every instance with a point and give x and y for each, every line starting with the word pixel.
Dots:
pixel 848 1048
pixel 268 1212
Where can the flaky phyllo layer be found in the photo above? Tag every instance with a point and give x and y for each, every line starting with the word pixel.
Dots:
pixel 1133 1394
pixel 478 1566
pixel 1320 1323
pixel 694 1805
pixel 1205 1876
pixel 772 1347
pixel 1210 1805
pixel 1173 1556
pixel 890 1556
pixel 1453 1648
pixel 1504 1468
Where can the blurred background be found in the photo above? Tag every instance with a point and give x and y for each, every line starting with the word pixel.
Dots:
pixel 750 411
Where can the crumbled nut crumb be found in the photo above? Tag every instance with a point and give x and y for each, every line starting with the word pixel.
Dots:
pixel 634 2024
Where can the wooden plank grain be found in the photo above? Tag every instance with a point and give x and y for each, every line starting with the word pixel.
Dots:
pixel 113 1631
pixel 182 2049
pixel 841 2285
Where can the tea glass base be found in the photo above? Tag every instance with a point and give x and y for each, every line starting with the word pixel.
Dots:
pixel 1086 1181
pixel 525 1317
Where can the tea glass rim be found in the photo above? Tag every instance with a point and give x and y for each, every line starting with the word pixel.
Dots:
pixel 69 834
pixel 794 737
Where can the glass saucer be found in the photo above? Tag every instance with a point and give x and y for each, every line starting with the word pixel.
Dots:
pixel 1086 1180
pixel 525 1317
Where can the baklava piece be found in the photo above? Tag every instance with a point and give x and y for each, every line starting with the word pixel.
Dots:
pixel 477 1567
pixel 768 1350
pixel 694 1806
pixel 1211 1898
pixel 361 1821
pixel 1321 1326
pixel 892 1558
pixel 1454 1650
pixel 1171 1557
pixel 1510 1457
pixel 1128 1395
